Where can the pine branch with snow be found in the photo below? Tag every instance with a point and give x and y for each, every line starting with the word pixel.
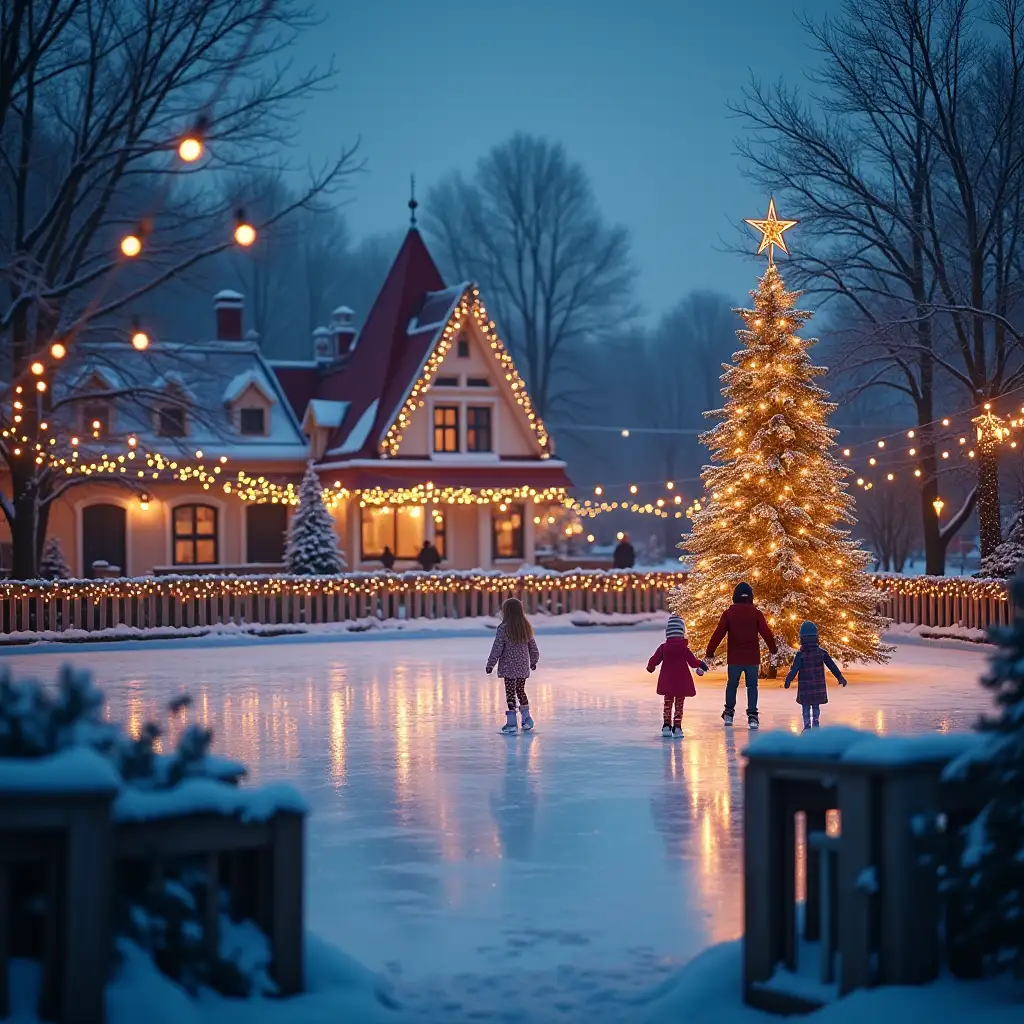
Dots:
pixel 312 548
pixel 986 881
pixel 1007 557
pixel 53 565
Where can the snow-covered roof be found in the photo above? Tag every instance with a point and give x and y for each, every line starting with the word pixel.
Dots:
pixel 357 435
pixel 227 295
pixel 241 382
pixel 326 413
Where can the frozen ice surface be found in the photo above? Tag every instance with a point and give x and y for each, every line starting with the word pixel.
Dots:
pixel 552 876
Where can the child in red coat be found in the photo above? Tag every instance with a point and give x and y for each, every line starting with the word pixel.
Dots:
pixel 675 683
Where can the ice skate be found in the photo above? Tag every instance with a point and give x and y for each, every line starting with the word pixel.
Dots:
pixel 666 730
pixel 677 732
pixel 510 725
pixel 727 715
pixel 527 720
pixel 752 722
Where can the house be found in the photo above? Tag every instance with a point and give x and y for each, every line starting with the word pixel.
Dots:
pixel 186 457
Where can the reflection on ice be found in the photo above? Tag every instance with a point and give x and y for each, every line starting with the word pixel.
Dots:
pixel 441 848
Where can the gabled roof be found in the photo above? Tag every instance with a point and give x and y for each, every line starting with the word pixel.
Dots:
pixel 325 413
pixel 387 358
pixel 241 382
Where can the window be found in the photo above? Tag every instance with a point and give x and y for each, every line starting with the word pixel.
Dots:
pixel 400 529
pixel 478 428
pixel 477 382
pixel 508 531
pixel 463 348
pixel 446 428
pixel 265 527
pixel 447 382
pixel 96 419
pixel 195 535
pixel 170 421
pixel 252 421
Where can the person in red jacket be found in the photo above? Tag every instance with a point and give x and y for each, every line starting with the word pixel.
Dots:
pixel 675 683
pixel 743 623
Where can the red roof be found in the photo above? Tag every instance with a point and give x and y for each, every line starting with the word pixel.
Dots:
pixel 299 384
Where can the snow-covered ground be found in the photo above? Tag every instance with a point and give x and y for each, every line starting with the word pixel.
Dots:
pixel 553 876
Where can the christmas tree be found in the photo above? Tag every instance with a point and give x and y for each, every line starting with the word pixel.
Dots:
pixel 779 512
pixel 987 879
pixel 312 548
pixel 53 566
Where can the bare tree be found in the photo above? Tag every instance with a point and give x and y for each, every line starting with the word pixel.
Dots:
pixel 889 521
pixel 526 227
pixel 88 132
pixel 905 168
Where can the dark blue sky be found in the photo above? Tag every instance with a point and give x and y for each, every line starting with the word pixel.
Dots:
pixel 636 91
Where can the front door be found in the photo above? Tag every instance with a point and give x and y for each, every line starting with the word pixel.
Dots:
pixel 104 532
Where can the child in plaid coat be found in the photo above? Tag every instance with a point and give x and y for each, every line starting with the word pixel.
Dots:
pixel 810 664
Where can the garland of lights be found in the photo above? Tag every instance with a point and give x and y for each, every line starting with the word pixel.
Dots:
pixel 393 437
pixel 370 584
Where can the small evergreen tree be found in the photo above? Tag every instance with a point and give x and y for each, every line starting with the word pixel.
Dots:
pixel 312 548
pixel 1003 562
pixel 53 565
pixel 987 880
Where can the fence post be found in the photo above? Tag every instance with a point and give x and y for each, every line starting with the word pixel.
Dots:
pixel 286 911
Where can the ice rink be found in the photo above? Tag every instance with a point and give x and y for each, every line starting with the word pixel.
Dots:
pixel 577 865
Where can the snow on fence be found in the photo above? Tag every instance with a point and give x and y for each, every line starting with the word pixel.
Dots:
pixel 195 602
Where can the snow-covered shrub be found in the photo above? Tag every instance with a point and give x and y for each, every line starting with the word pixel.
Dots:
pixel 53 565
pixel 1007 557
pixel 985 879
pixel 166 917
pixel 312 547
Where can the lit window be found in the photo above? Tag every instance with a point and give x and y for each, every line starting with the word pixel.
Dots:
pixel 446 428
pixel 195 535
pixel 401 529
pixel 252 421
pixel 478 428
pixel 508 532
pixel 170 421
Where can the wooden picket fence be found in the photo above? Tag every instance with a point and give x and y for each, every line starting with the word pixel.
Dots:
pixel 37 608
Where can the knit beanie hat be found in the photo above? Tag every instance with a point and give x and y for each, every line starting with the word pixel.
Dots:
pixel 675 627
pixel 743 594
pixel 808 632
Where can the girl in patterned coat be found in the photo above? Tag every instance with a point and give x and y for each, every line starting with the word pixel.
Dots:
pixel 515 653
pixel 810 664
pixel 675 683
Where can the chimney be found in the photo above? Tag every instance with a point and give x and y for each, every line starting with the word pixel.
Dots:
pixel 323 346
pixel 342 330
pixel 227 308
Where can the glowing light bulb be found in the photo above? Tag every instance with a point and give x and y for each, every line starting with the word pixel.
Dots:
pixel 37 368
pixel 131 245
pixel 57 350
pixel 41 386
pixel 190 149
pixel 140 340
pixel 245 233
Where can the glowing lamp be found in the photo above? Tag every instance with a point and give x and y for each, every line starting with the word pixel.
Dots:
pixel 938 504
pixel 57 350
pixel 190 149
pixel 41 386
pixel 140 340
pixel 37 368
pixel 245 233
pixel 131 245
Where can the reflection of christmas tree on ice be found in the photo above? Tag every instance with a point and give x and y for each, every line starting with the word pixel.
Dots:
pixel 779 512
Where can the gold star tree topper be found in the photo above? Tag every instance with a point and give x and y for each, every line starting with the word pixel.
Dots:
pixel 771 229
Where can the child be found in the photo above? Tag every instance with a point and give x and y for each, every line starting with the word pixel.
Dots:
pixel 810 664
pixel 675 683
pixel 743 624
pixel 515 653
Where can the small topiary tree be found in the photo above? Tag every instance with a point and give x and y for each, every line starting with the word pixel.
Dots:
pixel 53 565
pixel 312 548
pixel 985 882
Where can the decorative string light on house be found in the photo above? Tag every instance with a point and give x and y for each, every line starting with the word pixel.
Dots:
pixel 469 306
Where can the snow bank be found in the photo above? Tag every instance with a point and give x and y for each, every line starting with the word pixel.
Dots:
pixel 77 770
pixel 708 991
pixel 207 796
pixel 964 633
pixel 855 746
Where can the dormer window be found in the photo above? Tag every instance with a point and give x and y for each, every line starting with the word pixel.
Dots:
pixel 463 348
pixel 96 419
pixel 447 382
pixel 170 421
pixel 252 421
